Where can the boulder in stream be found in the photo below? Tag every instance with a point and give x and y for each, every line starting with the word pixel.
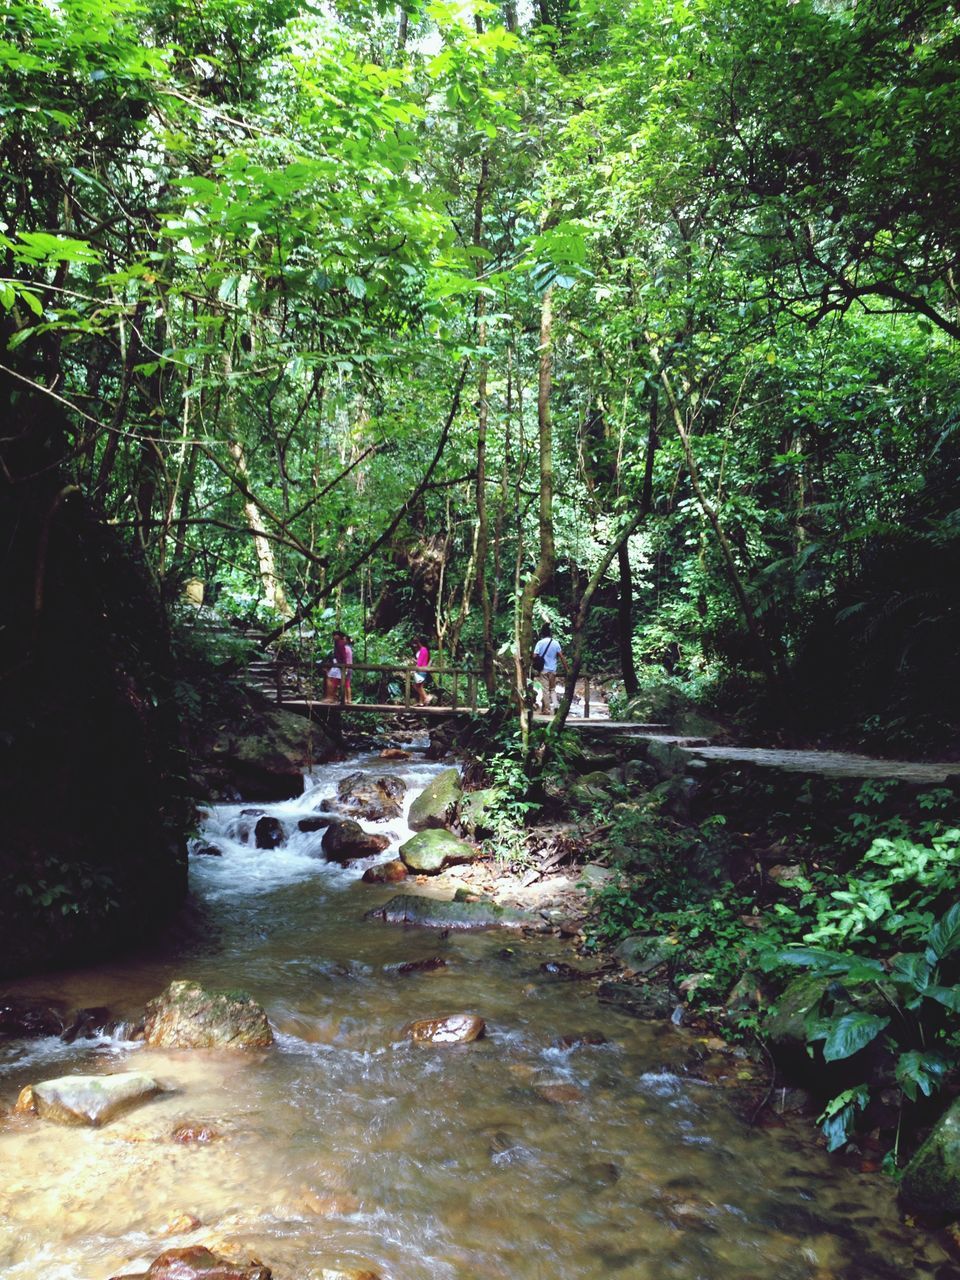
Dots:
pixel 268 833
pixel 317 822
pixel 186 1016
pixel 435 805
pixel 198 1263
pixel 346 840
pixel 430 913
pixel 88 1100
pixel 385 873
pixel 372 797
pixel 22 1016
pixel 428 852
pixel 457 1028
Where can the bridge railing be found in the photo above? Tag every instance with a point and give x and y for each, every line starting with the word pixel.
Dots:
pixel 393 685
pixel 464 683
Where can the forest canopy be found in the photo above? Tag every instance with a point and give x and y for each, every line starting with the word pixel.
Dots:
pixel 636 318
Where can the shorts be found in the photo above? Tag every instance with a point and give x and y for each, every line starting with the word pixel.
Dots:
pixel 419 677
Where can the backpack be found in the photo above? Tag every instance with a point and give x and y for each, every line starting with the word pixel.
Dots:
pixel 537 663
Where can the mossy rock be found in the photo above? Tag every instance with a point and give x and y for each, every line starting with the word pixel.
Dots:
pixel 430 851
pixel 436 804
pixel 474 813
pixel 931 1181
pixel 430 913
pixel 187 1016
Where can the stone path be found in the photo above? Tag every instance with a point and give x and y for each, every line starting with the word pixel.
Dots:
pixel 829 764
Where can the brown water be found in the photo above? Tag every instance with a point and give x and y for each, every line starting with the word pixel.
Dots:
pixel 346 1145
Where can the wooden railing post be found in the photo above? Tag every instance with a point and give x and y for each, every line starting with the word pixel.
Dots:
pixel 406 687
pixel 454 674
pixel 586 697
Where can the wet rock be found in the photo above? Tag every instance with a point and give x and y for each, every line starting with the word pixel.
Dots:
pixel 417 966
pixel 428 852
pixel 347 840
pixel 317 822
pixel 197 1263
pixel 89 1100
pixel 85 1024
pixel 385 873
pixel 435 806
pixel 394 753
pixel 563 972
pixel 360 795
pixel 931 1181
pixel 458 1028
pixel 190 1133
pixel 560 1094
pixel 577 1039
pixel 23 1016
pixel 268 833
pixel 428 913
pixel 207 851
pixel 186 1016
pixel 263 756
pixel 475 812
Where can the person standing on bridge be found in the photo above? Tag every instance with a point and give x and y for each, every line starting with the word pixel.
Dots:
pixel 420 675
pixel 548 651
pixel 347 667
pixel 335 672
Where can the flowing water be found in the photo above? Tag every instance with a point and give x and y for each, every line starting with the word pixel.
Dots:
pixel 347 1145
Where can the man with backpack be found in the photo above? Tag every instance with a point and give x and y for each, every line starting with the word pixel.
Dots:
pixel 546 654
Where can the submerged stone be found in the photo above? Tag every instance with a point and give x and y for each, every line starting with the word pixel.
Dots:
pixel 458 1028
pixel 197 1263
pixel 91 1100
pixel 430 851
pixel 186 1016
pixel 429 913
pixel 435 805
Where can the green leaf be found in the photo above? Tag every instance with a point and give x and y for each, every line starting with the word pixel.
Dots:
pixel 923 1071
pixel 849 1034
pixel 949 997
pixel 944 937
pixel 356 286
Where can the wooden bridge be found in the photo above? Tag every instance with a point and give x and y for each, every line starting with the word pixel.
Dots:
pixel 389 688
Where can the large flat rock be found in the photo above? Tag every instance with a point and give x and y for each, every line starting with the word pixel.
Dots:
pixel 92 1100
pixel 430 913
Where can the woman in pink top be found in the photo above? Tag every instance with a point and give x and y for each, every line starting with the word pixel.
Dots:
pixel 419 676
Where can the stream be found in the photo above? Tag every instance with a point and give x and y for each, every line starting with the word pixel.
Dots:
pixel 347 1145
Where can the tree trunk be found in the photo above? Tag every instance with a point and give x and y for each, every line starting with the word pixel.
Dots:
pixel 483 536
pixel 273 593
pixel 537 581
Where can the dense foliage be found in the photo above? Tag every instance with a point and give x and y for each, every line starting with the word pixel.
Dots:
pixel 638 318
